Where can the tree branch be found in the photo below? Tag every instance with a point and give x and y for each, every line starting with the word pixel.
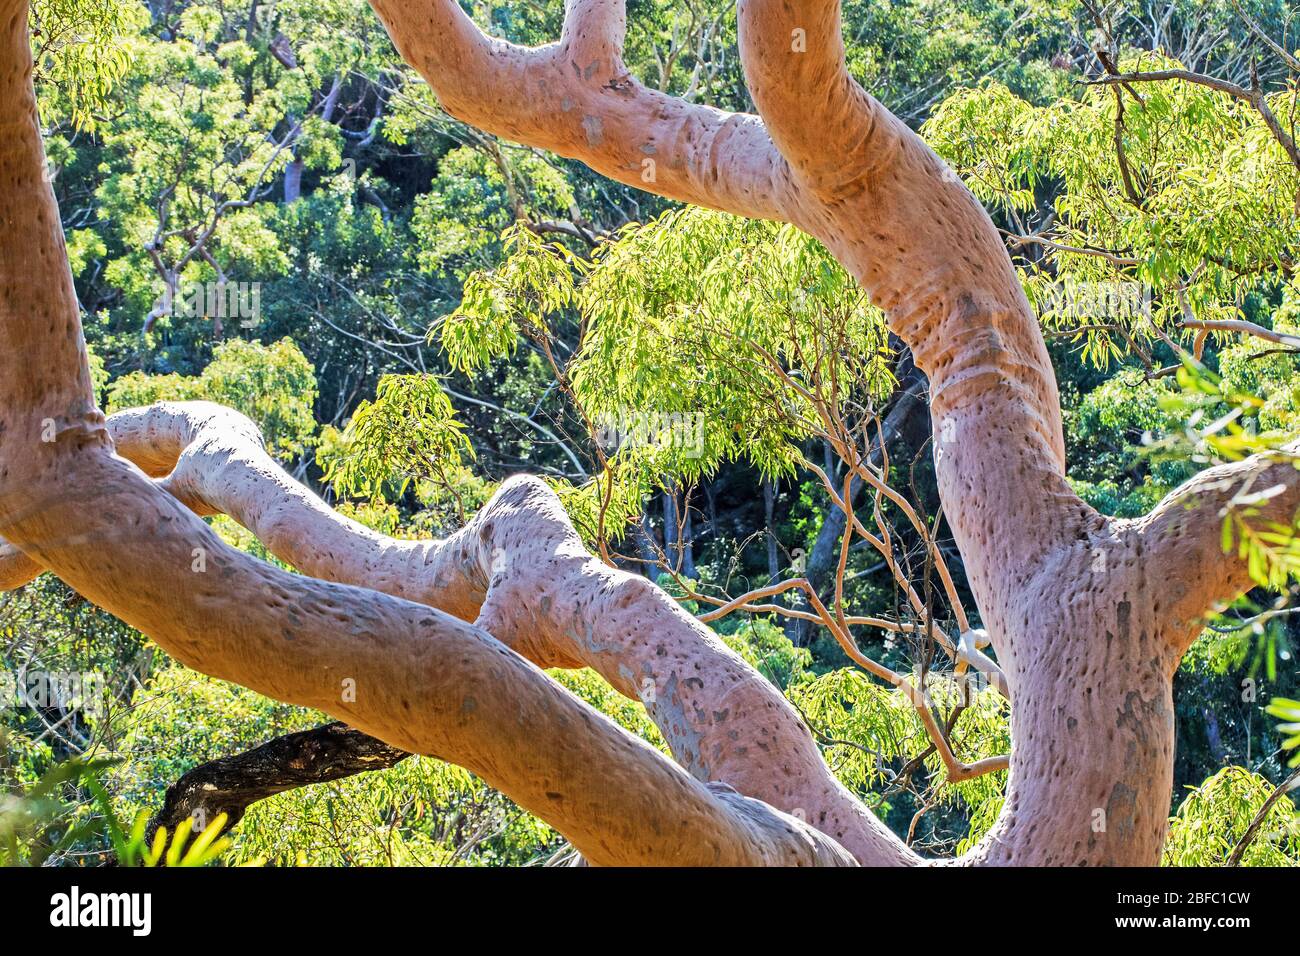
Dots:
pixel 575 98
pixel 230 785
pixel 16 569
pixel 36 280
pixel 1253 25
pixel 408 674
pixel 423 681
pixel 1244 327
pixel 1254 96
pixel 1185 531
pixel 520 570
pixel 793 56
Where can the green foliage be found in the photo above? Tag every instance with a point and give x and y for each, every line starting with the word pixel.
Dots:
pixel 1255 644
pixel 912 53
pixel 1109 431
pixel 1270 549
pixel 181 719
pixel 273 385
pixel 98 374
pixel 1221 421
pixel 420 812
pixel 185 153
pixel 176 850
pixel 176 183
pixel 871 731
pixel 39 821
pixel 82 50
pixel 672 352
pixel 689 315
pixel 534 280
pixel 1288 711
pixel 1268 375
pixel 456 223
pixel 1215 815
pixel 603 507
pixel 1202 208
pixel 408 432
pixel 690 326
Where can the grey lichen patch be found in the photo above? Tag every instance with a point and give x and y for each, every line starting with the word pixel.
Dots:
pixel 1121 809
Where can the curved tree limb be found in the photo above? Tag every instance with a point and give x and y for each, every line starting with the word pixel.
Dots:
pixel 1071 599
pixel 793 55
pixel 221 466
pixel 521 571
pixel 1185 531
pixel 575 97
pixel 16 569
pixel 950 294
pixel 423 681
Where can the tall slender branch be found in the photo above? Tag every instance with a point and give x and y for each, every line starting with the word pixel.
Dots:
pixel 1255 96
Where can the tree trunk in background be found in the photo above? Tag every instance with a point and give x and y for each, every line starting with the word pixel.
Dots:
pixel 643 537
pixel 293 181
pixel 293 172
pixel 688 538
